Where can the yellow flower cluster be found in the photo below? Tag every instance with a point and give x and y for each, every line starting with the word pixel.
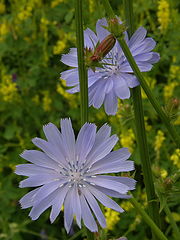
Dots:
pixel 176 217
pixel 56 3
pixel 147 126
pixel 163 173
pixel 169 88
pixel 175 157
pixel 159 139
pixel 2 7
pixel 177 121
pixel 36 99
pixel 72 99
pixel 126 205
pixel 4 29
pixel 163 14
pixel 26 11
pixel 127 139
pixel 8 89
pixel 46 101
pixel 59 47
pixel 174 71
pixel 112 217
pixel 92 6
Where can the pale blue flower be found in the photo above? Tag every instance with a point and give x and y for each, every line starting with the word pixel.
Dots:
pixel 68 172
pixel 111 82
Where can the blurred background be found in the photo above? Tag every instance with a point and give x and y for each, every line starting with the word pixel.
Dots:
pixel 33 35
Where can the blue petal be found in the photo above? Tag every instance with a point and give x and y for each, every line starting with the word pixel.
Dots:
pixel 105 200
pixel 100 151
pixel 110 103
pixel 71 77
pixel 146 46
pixel 39 158
pixel 58 202
pixel 120 87
pixel 101 31
pixel 28 199
pixel 137 37
pixel 130 79
pixel 95 207
pixel 70 59
pixel 68 138
pixel 87 215
pixel 102 181
pixel 85 141
pixel 90 38
pixel 39 208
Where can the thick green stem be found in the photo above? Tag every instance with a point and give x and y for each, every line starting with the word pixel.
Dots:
pixel 83 78
pixel 172 222
pixel 152 99
pixel 140 131
pixel 81 65
pixel 148 220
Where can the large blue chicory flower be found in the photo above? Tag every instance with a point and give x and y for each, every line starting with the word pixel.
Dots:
pixel 112 81
pixel 68 172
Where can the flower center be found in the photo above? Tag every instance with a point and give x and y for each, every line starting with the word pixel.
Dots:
pixel 76 176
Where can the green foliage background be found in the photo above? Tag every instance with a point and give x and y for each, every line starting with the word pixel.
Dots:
pixel 33 35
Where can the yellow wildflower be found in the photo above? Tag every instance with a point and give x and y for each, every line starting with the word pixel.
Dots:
pixel 71 99
pixel 46 101
pixel 159 139
pixel 112 217
pixel 147 126
pixel 24 13
pixel 163 14
pixel 174 71
pixel 163 173
pixel 127 139
pixel 8 89
pixel 56 3
pixel 168 89
pixel 4 29
pixel 126 206
pixel 2 8
pixel 59 47
pixel 176 217
pixel 92 6
pixel 36 99
pixel 177 121
pixel 175 157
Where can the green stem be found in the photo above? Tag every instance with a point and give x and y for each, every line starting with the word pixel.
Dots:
pixel 152 99
pixel 140 131
pixel 81 65
pixel 90 235
pixel 172 221
pixel 148 220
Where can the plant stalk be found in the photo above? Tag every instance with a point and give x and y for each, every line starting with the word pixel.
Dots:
pixel 83 78
pixel 140 131
pixel 148 220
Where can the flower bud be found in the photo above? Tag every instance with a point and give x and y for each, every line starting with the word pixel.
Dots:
pixel 116 27
pixel 103 48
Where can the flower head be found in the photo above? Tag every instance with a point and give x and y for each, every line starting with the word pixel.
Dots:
pixel 111 81
pixel 68 172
